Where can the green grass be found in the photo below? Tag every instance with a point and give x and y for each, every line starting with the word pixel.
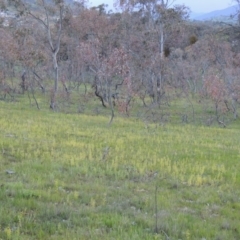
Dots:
pixel 77 178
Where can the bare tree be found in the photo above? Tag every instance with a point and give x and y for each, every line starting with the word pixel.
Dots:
pixel 49 15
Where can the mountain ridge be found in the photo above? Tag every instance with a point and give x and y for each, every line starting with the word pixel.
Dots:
pixel 217 14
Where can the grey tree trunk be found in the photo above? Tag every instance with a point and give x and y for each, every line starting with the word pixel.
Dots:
pixel 159 79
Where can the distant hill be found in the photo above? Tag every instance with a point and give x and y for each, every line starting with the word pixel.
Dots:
pixel 34 1
pixel 223 14
pixel 194 15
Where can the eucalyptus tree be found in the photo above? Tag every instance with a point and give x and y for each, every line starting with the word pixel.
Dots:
pixel 8 57
pixel 159 19
pixel 49 16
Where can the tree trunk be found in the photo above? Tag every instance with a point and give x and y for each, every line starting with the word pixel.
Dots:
pixel 159 79
pixel 55 72
pixel 161 41
pixel 56 77
pixel 235 114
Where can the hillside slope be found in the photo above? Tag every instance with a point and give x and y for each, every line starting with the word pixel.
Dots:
pixel 227 12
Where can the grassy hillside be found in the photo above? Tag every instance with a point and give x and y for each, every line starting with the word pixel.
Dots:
pixel 71 176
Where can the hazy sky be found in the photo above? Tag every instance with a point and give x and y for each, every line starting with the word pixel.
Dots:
pixel 195 5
